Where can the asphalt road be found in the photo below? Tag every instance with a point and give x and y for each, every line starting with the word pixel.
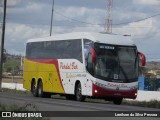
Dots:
pixel 93 108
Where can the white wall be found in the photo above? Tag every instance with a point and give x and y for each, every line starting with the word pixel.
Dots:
pixel 148 95
pixel 142 95
pixel 15 86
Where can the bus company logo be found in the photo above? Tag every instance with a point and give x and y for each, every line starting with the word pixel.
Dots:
pixel 71 65
pixel 70 75
pixel 117 85
pixel 6 114
pixel 19 114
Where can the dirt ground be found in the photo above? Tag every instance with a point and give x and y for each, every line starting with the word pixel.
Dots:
pixel 12 79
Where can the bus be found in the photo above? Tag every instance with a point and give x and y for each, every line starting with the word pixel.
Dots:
pixel 83 64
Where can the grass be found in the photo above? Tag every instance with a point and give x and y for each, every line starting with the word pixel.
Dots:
pixel 15 107
pixel 150 104
pixel 15 91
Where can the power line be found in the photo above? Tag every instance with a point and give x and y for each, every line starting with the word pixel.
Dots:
pixel 76 19
pixel 115 24
pixel 139 19
pixel 94 24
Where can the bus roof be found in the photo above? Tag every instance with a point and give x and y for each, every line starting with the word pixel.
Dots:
pixel 95 37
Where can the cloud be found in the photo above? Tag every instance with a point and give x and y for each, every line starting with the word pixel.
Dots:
pixel 13 2
pixel 135 28
pixel 147 2
pixel 144 34
pixel 92 15
pixel 18 32
pixel 30 7
pixel 15 52
pixel 31 19
pixel 124 16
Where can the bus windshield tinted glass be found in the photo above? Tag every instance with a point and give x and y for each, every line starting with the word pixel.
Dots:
pixel 128 62
pixel 115 62
pixel 106 62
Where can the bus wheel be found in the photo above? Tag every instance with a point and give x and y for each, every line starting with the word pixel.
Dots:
pixel 117 101
pixel 78 93
pixel 40 89
pixel 34 89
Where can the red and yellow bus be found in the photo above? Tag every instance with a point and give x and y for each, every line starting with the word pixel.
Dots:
pixel 82 64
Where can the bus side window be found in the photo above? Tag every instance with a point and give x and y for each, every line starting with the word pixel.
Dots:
pixel 28 50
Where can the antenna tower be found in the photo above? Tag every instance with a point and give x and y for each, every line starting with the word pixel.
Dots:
pixel 108 20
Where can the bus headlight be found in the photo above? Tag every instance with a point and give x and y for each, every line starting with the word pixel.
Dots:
pixel 95 91
pixel 135 94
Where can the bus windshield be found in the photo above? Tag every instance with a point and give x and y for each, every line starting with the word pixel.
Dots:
pixel 116 63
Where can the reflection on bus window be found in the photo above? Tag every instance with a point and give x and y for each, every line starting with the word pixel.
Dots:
pixel 68 49
pixel 106 63
pixel 87 45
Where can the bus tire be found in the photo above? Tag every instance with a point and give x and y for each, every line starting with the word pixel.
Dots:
pixel 78 93
pixel 40 91
pixel 117 101
pixel 34 90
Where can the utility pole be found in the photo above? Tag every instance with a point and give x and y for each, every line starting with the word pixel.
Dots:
pixel 2 42
pixel 52 18
pixel 108 20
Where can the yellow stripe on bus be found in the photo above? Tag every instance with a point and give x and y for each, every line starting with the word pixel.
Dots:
pixel 47 72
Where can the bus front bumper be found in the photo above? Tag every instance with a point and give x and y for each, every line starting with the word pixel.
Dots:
pixel 98 91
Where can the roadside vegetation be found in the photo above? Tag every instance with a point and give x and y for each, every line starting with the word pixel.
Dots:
pixel 150 104
pixel 15 91
pixel 12 66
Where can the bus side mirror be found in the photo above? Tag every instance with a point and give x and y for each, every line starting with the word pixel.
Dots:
pixel 91 59
pixel 93 54
pixel 142 59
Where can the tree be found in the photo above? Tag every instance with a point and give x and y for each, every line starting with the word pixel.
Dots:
pixel 142 70
pixel 12 66
pixel 158 72
pixel 8 69
pixel 152 82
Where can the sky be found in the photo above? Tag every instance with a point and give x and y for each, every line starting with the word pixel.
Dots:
pixel 28 19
